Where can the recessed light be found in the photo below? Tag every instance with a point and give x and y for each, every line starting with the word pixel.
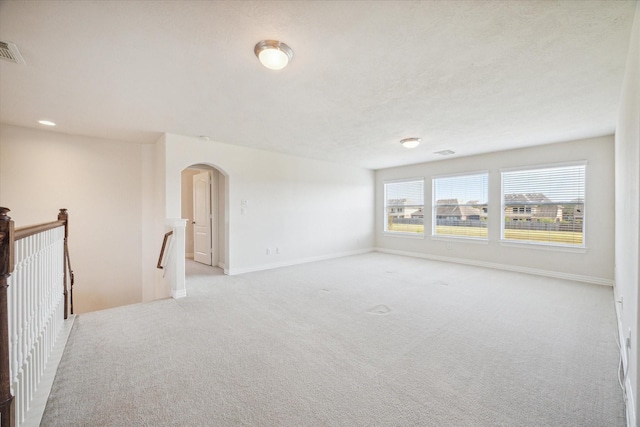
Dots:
pixel 273 54
pixel 46 122
pixel 410 142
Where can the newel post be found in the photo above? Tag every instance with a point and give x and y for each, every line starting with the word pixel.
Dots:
pixel 7 416
pixel 175 270
pixel 64 216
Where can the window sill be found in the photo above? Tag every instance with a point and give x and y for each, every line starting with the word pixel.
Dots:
pixel 475 240
pixel 544 246
pixel 404 235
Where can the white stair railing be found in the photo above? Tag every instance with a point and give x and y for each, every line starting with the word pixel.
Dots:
pixel 36 290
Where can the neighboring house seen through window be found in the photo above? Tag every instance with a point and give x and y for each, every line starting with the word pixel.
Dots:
pixel 460 205
pixel 544 205
pixel 404 206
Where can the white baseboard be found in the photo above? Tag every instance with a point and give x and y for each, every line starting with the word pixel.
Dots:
pixel 630 404
pixel 289 263
pixel 179 294
pixel 223 266
pixel 507 267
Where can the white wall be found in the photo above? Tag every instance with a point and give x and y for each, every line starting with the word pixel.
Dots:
pixel 151 224
pixel 627 273
pixel 101 184
pixel 307 209
pixel 596 265
pixel 119 196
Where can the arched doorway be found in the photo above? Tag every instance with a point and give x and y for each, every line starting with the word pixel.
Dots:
pixel 204 194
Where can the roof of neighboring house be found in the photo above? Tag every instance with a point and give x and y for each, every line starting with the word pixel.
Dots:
pixel 396 202
pixel 450 207
pixel 527 198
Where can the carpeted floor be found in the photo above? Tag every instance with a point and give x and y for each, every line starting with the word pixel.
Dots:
pixel 368 340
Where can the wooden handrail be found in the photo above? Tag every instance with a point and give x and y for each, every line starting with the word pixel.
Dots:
pixel 164 245
pixel 30 230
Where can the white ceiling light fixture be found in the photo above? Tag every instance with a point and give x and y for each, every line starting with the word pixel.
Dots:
pixel 410 142
pixel 46 122
pixel 273 54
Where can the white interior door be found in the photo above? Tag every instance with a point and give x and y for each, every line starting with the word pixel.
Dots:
pixel 202 218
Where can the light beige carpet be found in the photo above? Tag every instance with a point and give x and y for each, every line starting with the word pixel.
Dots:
pixel 369 340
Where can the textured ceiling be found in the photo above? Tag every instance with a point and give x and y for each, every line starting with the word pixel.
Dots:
pixel 469 76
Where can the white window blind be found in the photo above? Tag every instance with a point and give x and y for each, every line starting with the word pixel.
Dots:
pixel 404 206
pixel 460 205
pixel 544 205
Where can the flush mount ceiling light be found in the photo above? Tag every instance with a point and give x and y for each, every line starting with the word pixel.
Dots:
pixel 410 142
pixel 46 122
pixel 273 54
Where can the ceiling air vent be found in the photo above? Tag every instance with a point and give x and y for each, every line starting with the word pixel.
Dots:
pixel 445 152
pixel 10 52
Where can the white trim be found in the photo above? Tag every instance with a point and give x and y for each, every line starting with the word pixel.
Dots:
pixel 532 244
pixel 395 181
pixel 178 293
pixel 506 267
pixel 223 266
pixel 544 166
pixel 404 234
pixel 39 400
pixel 463 239
pixel 630 405
pixel 233 272
pixel 451 175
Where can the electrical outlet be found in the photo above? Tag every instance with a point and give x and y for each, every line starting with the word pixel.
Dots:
pixel 268 251
pixel 278 251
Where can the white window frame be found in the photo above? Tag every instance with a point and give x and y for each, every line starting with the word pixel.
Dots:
pixel 407 234
pixel 566 247
pixel 434 207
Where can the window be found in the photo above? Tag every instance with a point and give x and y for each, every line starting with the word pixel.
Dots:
pixel 460 205
pixel 544 205
pixel 404 206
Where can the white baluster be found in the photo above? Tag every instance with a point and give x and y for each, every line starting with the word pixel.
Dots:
pixel 35 307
